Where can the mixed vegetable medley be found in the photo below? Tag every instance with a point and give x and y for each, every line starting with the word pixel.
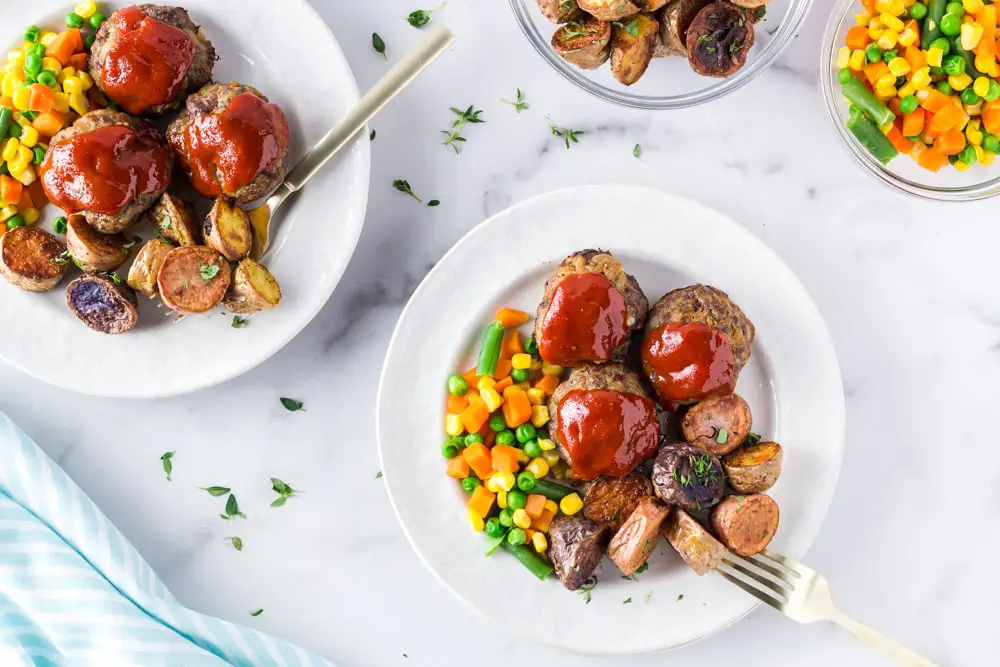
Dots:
pixel 45 87
pixel 922 78
pixel 498 447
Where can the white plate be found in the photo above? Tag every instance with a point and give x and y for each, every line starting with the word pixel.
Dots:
pixel 792 384
pixel 269 46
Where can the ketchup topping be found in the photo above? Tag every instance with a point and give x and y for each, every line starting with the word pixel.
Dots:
pixel 586 321
pixel 147 63
pixel 688 361
pixel 104 169
pixel 225 151
pixel 607 432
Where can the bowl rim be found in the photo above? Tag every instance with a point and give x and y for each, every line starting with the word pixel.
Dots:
pixel 828 54
pixel 796 14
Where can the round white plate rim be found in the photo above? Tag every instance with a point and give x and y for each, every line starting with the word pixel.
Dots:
pixel 335 270
pixel 826 344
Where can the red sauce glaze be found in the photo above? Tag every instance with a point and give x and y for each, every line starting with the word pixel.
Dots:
pixel 607 432
pixel 688 361
pixel 104 169
pixel 147 64
pixel 586 321
pixel 233 146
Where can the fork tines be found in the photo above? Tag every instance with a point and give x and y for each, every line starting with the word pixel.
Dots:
pixel 768 576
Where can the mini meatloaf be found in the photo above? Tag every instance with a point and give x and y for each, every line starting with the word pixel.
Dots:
pixel 603 421
pixel 232 142
pixel 696 343
pixel 148 58
pixel 589 310
pixel 109 166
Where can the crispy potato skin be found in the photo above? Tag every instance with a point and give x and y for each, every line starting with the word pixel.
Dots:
pixel 630 55
pixel 635 540
pixel 174 219
pixel 102 304
pixel 146 267
pixel 609 10
pixel 92 251
pixel 577 545
pixel 610 501
pixel 746 524
pixel 719 39
pixel 703 423
pixel 699 549
pixel 560 11
pixel 674 22
pixel 588 50
pixel 254 289
pixel 227 230
pixel 183 287
pixel 28 259
pixel 754 468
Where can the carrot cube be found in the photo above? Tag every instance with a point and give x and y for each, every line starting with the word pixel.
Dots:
pixel 481 501
pixel 535 505
pixel 516 407
pixel 913 123
pixel 511 345
pixel 504 458
pixel 503 369
pixel 548 384
pixel 932 159
pixel 474 416
pixel 458 468
pixel 543 521
pixel 10 190
pixel 857 38
pixel 511 319
pixel 478 458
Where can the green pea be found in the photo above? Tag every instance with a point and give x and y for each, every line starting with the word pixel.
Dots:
pixel 531 347
pixel 941 43
pixel 472 439
pixel 526 481
pixel 520 374
pixel 516 500
pixel 74 20
pixel 844 75
pixel 918 11
pixel 991 143
pixel 935 71
pixel 908 104
pixel 951 25
pixel 457 386
pixel 493 527
pixel 954 65
pixel 994 91
pixel 890 54
pixel 944 87
pixel 532 448
pixel 873 53
pixel 516 536
pixel 968 155
pixel 525 432
pixel 955 8
pixel 38 154
pixel 47 78
pixel 969 96
pixel 96 19
pixel 15 221
pixel 506 516
pixel 449 449
pixel 505 437
pixel 497 422
pixel 59 225
pixel 88 41
pixel 32 64
pixel 32 33
pixel 14 131
pixel 470 483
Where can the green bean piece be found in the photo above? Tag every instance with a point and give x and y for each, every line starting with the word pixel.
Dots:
pixel 872 139
pixel 489 353
pixel 931 28
pixel 554 491
pixel 856 92
pixel 529 559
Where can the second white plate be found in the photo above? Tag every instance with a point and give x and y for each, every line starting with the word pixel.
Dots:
pixel 792 383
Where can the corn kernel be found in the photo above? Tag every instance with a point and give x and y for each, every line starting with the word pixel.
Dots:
pixel 29 136
pixel 908 37
pixel 523 385
pixel 66 73
pixel 899 66
pixel 875 33
pixel 72 85
pixel 539 415
pixel 980 153
pixel 503 480
pixel 522 458
pixel 552 369
pixel 960 82
pixel 971 34
pixel 885 81
pixel 521 361
pixel 79 103
pixel 7 212
pixel 546 444
pixel 7 86
pixel 453 425
pixel 908 89
pixel 477 522
pixel 10 149
pixel 551 458
pixel 981 85
pixel 972 6
pixel 571 504
pixel 538 467
pixel 536 364
pixel 918 148
pixel 987 159
pixel 51 65
pixel 21 98
pixel 887 40
pixel 22 121
pixel 485 382
pixel 891 22
pixel 501 499
pixel 552 506
pixel 857 60
pixel 61 103
pixel 934 56
pixel 47 37
pixel 983 63
pixel 921 78
pixel 974 136
pixel 491 398
pixel 25 154
pixel 521 519
pixel 86 9
pixel 540 542
pixel 862 18
pixel 15 56
pixel 16 168
pixel 31 215
pixel 86 81
pixel 967 19
pixel 536 396
pixel 885 94
pixel 960 166
pixel 26 175
pixel 843 56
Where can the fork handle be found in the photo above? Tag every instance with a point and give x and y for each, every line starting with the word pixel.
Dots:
pixel 866 635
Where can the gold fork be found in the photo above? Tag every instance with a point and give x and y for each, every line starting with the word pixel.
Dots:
pixel 803 595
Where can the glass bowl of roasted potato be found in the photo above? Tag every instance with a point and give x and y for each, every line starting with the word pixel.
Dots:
pixel 659 54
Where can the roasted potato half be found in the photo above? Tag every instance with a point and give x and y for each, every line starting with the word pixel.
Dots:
pixel 609 10
pixel 586 44
pixel 718 424
pixel 175 221
pixel 254 289
pixel 719 39
pixel 632 44
pixel 32 259
pixel 610 501
pixel 193 279
pixel 651 5
pixel 753 468
pixel 695 544
pixel 560 11
pixel 635 540
pixel 674 22
pixel 103 303
pixel 227 230
pixel 146 267
pixel 92 251
pixel 746 524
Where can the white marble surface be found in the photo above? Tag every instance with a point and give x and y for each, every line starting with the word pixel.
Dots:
pixel 908 289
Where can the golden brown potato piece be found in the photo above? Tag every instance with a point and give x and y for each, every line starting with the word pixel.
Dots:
pixel 146 267
pixel 254 289
pixel 696 545
pixel 103 303
pixel 674 22
pixel 632 45
pixel 719 424
pixel 719 39
pixel 193 279
pixel 753 468
pixel 746 524
pixel 609 10
pixel 586 44
pixel 175 221
pixel 634 541
pixel 227 230
pixel 651 5
pixel 560 11
pixel 92 251
pixel 610 501
pixel 32 259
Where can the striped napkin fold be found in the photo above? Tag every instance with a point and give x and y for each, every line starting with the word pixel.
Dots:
pixel 75 593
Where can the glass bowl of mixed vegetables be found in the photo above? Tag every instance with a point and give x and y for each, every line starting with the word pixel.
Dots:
pixel 913 88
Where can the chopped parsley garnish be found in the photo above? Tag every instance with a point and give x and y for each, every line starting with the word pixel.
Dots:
pixel 292 405
pixel 209 271
pixel 566 134
pixel 587 588
pixel 637 151
pixel 722 436
pixel 379 45
pixel 168 466
pixel 284 491
pixel 404 187
pixel 237 542
pixel 240 322
pixel 421 17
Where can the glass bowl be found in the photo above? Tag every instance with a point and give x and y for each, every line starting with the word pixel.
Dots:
pixel 902 173
pixel 669 82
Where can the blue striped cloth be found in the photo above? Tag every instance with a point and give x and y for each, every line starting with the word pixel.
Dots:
pixel 75 593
